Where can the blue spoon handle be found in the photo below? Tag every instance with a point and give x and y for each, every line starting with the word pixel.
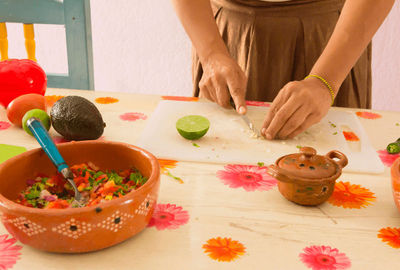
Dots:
pixel 47 144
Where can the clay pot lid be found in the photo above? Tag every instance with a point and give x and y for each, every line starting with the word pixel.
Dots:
pixel 307 164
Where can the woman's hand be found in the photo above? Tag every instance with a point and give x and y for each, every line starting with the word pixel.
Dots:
pixel 299 105
pixel 223 78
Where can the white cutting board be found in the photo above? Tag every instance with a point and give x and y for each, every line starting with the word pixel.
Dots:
pixel 228 139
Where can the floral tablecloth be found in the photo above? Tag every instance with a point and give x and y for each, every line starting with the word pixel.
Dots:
pixel 231 216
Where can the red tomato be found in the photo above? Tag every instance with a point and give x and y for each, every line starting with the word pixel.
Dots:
pixel 20 77
pixel 19 106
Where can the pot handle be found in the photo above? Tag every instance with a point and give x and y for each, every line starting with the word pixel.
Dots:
pixel 342 162
pixel 275 172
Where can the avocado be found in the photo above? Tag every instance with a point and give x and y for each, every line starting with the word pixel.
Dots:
pixel 76 118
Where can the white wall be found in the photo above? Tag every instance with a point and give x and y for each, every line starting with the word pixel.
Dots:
pixel 140 46
pixel 386 63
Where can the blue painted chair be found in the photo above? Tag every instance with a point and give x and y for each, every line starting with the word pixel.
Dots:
pixel 74 15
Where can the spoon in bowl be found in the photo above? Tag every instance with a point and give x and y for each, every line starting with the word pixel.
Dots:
pixel 47 144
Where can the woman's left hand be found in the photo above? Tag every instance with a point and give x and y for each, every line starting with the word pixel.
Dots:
pixel 298 105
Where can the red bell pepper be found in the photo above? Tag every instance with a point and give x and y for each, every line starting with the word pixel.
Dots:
pixel 20 77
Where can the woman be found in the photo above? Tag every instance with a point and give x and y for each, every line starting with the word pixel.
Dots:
pixel 304 55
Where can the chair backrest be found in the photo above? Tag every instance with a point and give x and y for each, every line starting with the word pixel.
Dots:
pixel 74 15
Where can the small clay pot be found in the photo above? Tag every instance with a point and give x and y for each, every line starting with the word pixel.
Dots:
pixel 307 178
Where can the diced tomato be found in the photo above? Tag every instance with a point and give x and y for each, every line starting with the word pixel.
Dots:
pixel 80 179
pixel 109 187
pixel 58 204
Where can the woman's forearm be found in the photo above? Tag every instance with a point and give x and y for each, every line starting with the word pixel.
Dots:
pixel 358 22
pixel 198 20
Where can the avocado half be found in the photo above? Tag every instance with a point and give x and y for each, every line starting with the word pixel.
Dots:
pixel 76 118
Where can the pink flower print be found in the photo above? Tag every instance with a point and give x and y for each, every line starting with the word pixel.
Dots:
pixel 9 252
pixel 249 177
pixel 386 158
pixel 257 103
pixel 168 216
pixel 324 258
pixel 4 125
pixel 133 116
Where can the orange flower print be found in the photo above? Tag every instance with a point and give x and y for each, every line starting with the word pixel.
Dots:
pixel 180 98
pixel 351 196
pixel 223 249
pixel 350 136
pixel 50 100
pixel 106 100
pixel 390 236
pixel 166 164
pixel 368 115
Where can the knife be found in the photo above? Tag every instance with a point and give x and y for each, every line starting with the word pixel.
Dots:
pixel 246 120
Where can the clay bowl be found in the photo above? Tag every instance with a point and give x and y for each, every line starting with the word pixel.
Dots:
pixel 76 230
pixel 395 173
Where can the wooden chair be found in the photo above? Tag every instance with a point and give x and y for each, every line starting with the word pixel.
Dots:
pixel 74 15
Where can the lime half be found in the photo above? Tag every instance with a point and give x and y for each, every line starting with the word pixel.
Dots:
pixel 192 127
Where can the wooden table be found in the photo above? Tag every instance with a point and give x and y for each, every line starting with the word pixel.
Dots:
pixel 216 226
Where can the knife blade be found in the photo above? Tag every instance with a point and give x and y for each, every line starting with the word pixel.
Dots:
pixel 246 119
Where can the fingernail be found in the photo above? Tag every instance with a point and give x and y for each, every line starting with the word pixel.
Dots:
pixel 263 131
pixel 268 136
pixel 242 110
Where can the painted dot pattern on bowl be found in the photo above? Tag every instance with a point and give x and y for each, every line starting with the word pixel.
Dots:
pixel 29 227
pixel 115 222
pixel 73 228
pixel 145 206
pixel 396 195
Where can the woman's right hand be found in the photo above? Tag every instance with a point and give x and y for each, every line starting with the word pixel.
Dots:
pixel 223 78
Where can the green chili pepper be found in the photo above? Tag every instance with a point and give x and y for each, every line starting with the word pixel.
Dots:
pixel 394 147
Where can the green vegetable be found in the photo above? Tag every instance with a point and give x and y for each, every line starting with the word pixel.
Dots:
pixel 260 164
pixel 394 147
pixel 138 178
pixel 34 191
pixel 195 145
pixel 116 178
pixel 175 177
pixel 91 181
pixel 96 175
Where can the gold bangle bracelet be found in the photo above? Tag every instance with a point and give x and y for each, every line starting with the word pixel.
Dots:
pixel 326 84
